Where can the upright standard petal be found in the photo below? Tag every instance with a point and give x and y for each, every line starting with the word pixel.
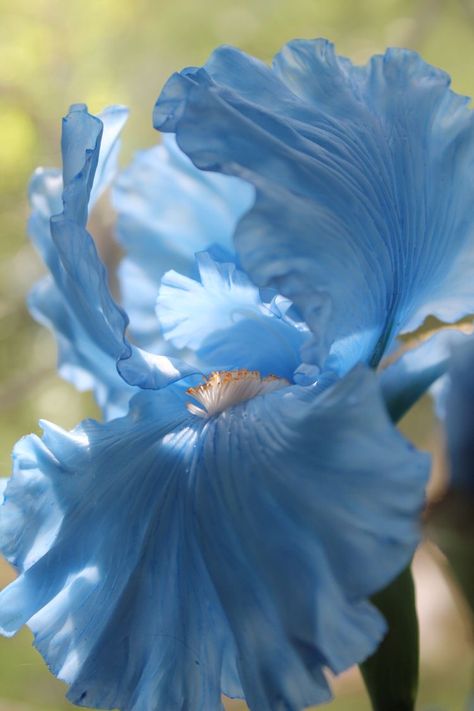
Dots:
pixel 167 211
pixel 364 179
pixel 46 185
pixel 79 360
pixel 78 272
pixel 169 557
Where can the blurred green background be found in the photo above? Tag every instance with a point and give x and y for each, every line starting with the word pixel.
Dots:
pixel 54 53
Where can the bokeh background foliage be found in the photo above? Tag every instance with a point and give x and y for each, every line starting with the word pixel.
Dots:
pixel 54 53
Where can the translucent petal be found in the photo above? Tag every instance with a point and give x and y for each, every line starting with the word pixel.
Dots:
pixel 80 361
pixel 167 211
pixel 113 119
pixel 3 484
pixel 45 196
pixel 46 185
pixel 308 492
pixel 222 318
pixel 78 272
pixel 167 557
pixel 99 522
pixel 364 185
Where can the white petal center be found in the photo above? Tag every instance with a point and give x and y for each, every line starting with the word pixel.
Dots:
pixel 226 388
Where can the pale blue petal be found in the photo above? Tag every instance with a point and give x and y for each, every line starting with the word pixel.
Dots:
pixel 30 517
pixel 321 496
pixel 364 179
pixel 167 558
pixel 45 197
pixel 80 143
pixel 406 379
pixel 167 211
pixel 3 484
pixel 46 185
pixel 79 276
pixel 79 273
pixel 223 320
pixel 83 283
pixel 80 361
pixel 138 294
pixel 99 522
pixel 113 120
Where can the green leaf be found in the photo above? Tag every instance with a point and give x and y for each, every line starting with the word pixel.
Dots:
pixel 391 673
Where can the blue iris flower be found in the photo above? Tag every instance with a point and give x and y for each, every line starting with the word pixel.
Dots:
pixel 224 536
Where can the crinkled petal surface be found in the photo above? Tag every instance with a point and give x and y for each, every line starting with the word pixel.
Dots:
pixel 46 186
pixel 167 211
pixel 223 320
pixel 165 557
pixel 79 360
pixel 112 581
pixel 364 179
pixel 78 273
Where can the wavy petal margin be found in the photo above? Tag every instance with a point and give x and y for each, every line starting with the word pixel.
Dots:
pixel 167 211
pixel 167 558
pixel 222 319
pixel 364 179
pixel 77 270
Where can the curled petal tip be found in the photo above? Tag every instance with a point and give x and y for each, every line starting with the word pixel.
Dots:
pixel 78 107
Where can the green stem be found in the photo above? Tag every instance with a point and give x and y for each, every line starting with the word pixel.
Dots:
pixel 391 673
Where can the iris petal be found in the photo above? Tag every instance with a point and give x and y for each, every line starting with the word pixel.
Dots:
pixel 167 211
pixel 167 557
pixel 223 320
pixel 416 370
pixel 3 484
pixel 46 185
pixel 45 196
pixel 310 480
pixel 79 360
pixel 78 272
pixel 364 185
pixel 117 594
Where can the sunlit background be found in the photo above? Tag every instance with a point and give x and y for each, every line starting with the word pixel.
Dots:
pixel 53 53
